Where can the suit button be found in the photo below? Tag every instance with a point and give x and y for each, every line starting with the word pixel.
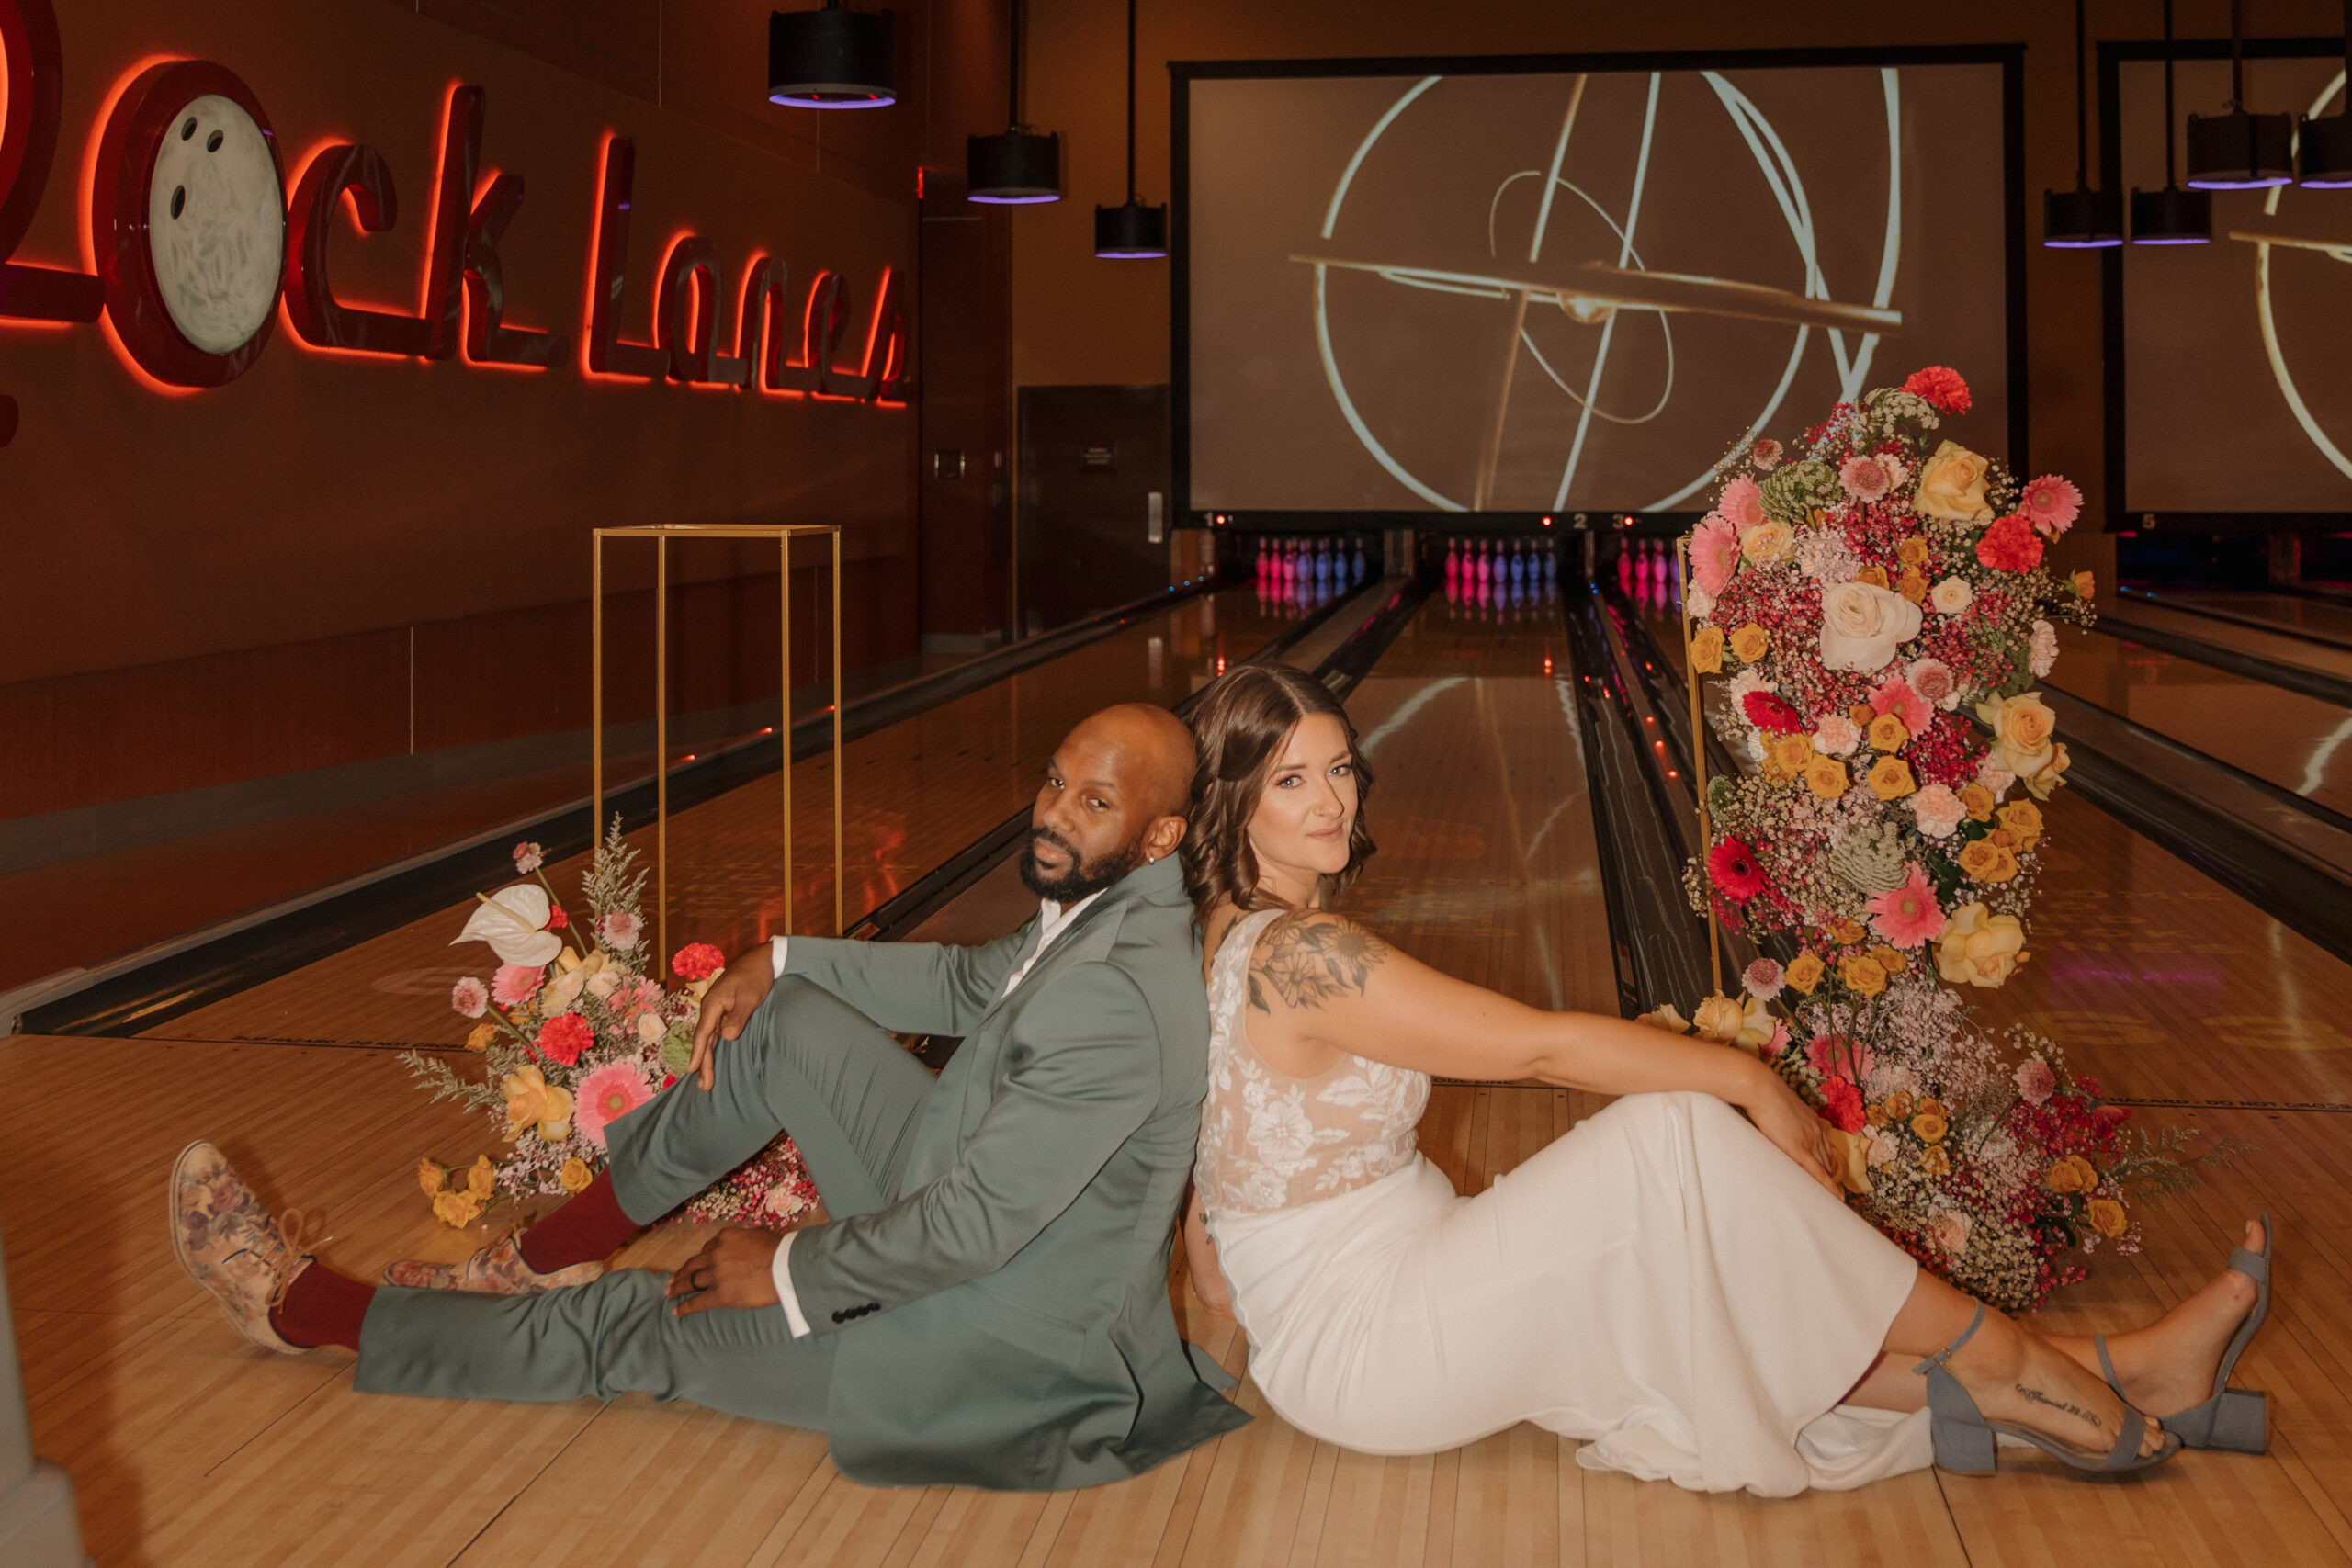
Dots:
pixel 839 1317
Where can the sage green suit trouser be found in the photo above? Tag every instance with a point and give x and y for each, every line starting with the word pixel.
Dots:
pixel 853 1098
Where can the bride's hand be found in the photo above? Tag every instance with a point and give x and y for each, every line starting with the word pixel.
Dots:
pixel 1792 1125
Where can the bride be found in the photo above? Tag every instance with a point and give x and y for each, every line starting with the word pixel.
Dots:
pixel 1680 1288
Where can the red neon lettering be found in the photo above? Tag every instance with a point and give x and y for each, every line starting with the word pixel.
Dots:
pixel 686 316
pixel 312 309
pixel 608 274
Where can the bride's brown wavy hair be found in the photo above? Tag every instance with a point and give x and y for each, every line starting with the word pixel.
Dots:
pixel 1241 725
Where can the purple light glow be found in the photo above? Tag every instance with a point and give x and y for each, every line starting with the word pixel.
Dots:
pixel 2082 244
pixel 2182 240
pixel 863 101
pixel 1015 200
pixel 2209 182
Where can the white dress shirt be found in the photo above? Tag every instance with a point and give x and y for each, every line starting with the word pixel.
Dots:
pixel 1052 921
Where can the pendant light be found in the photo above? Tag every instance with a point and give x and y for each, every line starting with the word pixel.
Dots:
pixel 2171 216
pixel 2238 151
pixel 2083 218
pixel 1132 231
pixel 831 59
pixel 1017 167
pixel 2327 143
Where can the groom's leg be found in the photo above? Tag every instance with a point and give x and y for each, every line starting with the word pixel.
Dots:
pixel 612 1336
pixel 808 1064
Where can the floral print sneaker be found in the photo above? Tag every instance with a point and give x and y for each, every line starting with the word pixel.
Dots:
pixel 497 1270
pixel 231 1245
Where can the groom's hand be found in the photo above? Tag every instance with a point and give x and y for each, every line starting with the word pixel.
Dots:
pixel 727 1005
pixel 737 1268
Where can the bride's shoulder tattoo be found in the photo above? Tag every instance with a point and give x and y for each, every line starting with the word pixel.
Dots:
pixel 1307 957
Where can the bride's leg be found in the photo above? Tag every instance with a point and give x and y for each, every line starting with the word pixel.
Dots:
pixel 2165 1367
pixel 2014 1375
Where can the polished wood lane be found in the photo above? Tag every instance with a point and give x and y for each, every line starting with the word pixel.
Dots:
pixel 916 793
pixel 2324 658
pixel 2328 620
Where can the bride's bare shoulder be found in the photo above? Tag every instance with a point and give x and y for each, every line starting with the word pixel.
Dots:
pixel 1305 958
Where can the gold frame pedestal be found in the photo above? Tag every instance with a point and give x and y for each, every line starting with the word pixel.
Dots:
pixel 661 535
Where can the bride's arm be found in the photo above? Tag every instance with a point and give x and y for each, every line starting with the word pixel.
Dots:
pixel 1320 983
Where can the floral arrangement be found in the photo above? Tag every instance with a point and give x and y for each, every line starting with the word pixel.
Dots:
pixel 573 1034
pixel 1879 612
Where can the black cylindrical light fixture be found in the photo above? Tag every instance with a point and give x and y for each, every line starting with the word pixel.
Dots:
pixel 1013 168
pixel 2238 151
pixel 2325 153
pixel 1018 167
pixel 2082 218
pixel 831 59
pixel 1132 231
pixel 2171 216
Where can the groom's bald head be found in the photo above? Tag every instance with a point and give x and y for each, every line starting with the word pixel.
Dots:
pixel 1114 797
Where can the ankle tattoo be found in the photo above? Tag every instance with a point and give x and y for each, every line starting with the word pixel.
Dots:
pixel 2035 1396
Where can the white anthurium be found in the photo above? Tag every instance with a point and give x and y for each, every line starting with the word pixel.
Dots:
pixel 513 921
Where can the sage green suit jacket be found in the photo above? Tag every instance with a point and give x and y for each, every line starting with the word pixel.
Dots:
pixel 1003 1320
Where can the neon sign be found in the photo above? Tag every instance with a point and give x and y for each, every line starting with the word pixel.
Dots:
pixel 195 248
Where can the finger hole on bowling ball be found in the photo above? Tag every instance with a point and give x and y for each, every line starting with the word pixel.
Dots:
pixel 180 200
pixel 212 143
pixel 188 128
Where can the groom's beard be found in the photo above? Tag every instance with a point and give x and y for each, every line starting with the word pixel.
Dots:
pixel 1082 880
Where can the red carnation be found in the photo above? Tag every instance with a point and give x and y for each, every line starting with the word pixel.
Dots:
pixel 1733 866
pixel 1770 710
pixel 697 960
pixel 2010 545
pixel 564 1036
pixel 1841 1105
pixel 557 918
pixel 1942 386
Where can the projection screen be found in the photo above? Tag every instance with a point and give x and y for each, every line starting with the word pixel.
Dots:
pixel 1513 287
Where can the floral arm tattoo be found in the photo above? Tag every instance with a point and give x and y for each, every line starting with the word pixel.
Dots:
pixel 1304 961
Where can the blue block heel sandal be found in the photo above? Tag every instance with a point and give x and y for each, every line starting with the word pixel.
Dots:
pixel 1965 1442
pixel 2236 1420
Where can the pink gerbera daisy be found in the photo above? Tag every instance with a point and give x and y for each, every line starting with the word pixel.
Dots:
pixel 1742 504
pixel 1864 478
pixel 604 1096
pixel 1909 916
pixel 1714 551
pixel 2051 504
pixel 1895 695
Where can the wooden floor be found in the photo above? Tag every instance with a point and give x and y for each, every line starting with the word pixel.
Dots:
pixel 188 1448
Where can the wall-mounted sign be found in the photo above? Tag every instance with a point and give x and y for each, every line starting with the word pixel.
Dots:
pixel 194 239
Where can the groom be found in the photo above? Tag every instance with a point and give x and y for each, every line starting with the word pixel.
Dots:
pixel 987 1302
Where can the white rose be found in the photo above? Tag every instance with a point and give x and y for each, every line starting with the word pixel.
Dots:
pixel 650 1029
pixel 1862 623
pixel 1951 596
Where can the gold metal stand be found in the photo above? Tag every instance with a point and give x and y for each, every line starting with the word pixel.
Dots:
pixel 783 533
pixel 1697 757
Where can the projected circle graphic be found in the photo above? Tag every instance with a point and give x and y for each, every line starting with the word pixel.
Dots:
pixel 2265 308
pixel 1588 321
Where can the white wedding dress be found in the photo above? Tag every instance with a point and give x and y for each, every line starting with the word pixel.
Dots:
pixel 1661 1282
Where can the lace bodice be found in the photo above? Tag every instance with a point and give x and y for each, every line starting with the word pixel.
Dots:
pixel 1271 1141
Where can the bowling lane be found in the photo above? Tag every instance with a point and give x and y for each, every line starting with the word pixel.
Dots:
pixel 2159 982
pixel 914 792
pixel 1488 867
pixel 2321 620
pixel 2130 615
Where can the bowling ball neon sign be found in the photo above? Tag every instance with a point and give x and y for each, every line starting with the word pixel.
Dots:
pixel 193 239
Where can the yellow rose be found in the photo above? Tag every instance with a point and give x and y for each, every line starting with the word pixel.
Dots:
pixel 1978 800
pixel 1912 552
pixel 1849 1159
pixel 1719 1019
pixel 1900 1105
pixel 481 1036
pixel 1862 714
pixel 1663 1016
pixel 1825 776
pixel 1888 959
pixel 2022 726
pixel 1931 1125
pixel 2072 1174
pixel 1987 862
pixel 2023 818
pixel 2108 1217
pixel 1861 977
pixel 2084 584
pixel 575 1175
pixel 1912 586
pixel 1750 642
pixel 1848 932
pixel 1934 1161
pixel 1887 733
pixel 1791 754
pixel 430 1176
pixel 480 1177
pixel 1873 575
pixel 1707 651
pixel 1980 948
pixel 534 1104
pixel 1767 543
pixel 1951 486
pixel 1890 778
pixel 457 1210
pixel 2002 836
pixel 1805 971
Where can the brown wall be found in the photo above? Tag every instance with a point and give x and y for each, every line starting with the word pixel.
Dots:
pixel 200 588
pixel 1077 320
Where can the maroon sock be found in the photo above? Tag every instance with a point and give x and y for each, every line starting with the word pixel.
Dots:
pixel 322 1307
pixel 585 1229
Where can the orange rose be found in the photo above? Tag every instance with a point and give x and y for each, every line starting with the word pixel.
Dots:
pixel 1912 586
pixel 1862 714
pixel 1791 754
pixel 1931 1125
pixel 1861 977
pixel 1825 776
pixel 1804 971
pixel 1899 1105
pixel 1986 860
pixel 1890 778
pixel 2023 819
pixel 430 1176
pixel 1888 959
pixel 2084 584
pixel 1887 733
pixel 2072 1174
pixel 2108 1217
pixel 1912 552
pixel 1978 800
pixel 1848 932
pixel 481 1036
pixel 1873 575
pixel 1749 643
pixel 1934 1161
pixel 1707 651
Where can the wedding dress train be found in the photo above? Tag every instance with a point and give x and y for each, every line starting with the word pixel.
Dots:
pixel 1661 1282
